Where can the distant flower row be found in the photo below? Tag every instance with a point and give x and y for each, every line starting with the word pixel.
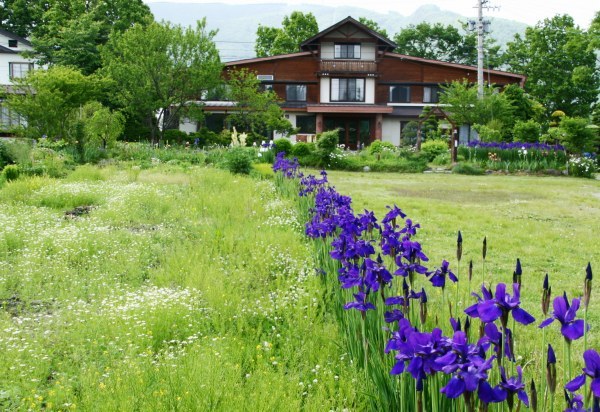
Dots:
pixel 515 145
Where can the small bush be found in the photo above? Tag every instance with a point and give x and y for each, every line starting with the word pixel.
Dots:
pixel 238 161
pixel 11 172
pixel 441 159
pixel 302 149
pixel 175 136
pixel 433 148
pixel 528 131
pixel 282 145
pixel 579 167
pixel 467 169
pixel 378 146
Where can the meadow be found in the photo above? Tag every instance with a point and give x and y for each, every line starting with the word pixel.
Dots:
pixel 188 288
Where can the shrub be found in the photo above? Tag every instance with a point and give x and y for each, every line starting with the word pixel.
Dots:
pixel 302 149
pixel 467 169
pixel 328 141
pixel 238 161
pixel 11 172
pixel 433 148
pixel 579 167
pixel 488 134
pixel 576 136
pixel 528 131
pixel 378 146
pixel 175 136
pixel 282 145
pixel 441 159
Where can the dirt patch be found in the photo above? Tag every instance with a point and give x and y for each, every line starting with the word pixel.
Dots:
pixel 78 211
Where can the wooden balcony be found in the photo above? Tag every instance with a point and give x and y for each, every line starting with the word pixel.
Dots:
pixel 348 67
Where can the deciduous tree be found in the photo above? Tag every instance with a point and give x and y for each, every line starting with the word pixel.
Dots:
pixel 158 69
pixel 560 65
pixel 295 28
pixel 48 99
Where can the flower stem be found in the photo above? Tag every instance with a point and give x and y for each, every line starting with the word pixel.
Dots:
pixel 585 327
pixel 544 361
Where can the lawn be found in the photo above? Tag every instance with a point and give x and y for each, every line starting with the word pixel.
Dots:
pixel 187 288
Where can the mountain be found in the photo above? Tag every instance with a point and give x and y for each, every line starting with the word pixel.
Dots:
pixel 237 24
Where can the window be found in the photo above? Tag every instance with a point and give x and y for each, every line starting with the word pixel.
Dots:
pixel 347 51
pixel 431 94
pixel 307 124
pixel 265 87
pixel 348 90
pixel 18 70
pixel 399 94
pixel 295 92
pixel 12 43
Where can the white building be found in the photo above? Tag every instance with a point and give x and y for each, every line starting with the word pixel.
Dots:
pixel 12 66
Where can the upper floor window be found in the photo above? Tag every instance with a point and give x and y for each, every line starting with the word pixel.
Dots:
pixel 18 70
pixel 431 94
pixel 295 92
pixel 12 43
pixel 347 90
pixel 347 51
pixel 399 94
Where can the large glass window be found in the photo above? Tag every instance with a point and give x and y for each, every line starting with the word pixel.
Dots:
pixel 347 51
pixel 347 90
pixel 18 70
pixel 431 94
pixel 399 94
pixel 295 92
pixel 307 124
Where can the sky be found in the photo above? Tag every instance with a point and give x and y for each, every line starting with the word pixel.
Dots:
pixel 526 11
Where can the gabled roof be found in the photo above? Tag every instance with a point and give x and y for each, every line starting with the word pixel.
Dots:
pixel 382 40
pixel 15 37
pixel 268 58
pixel 455 65
pixel 7 50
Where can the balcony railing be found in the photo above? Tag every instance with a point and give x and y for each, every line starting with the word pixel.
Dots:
pixel 348 66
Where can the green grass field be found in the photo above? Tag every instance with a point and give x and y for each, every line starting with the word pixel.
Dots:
pixel 192 289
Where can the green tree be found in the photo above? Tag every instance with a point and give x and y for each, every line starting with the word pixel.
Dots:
pixel 373 25
pixel 21 17
pixel 158 69
pixel 493 111
pixel 102 126
pixel 296 28
pixel 576 136
pixel 72 32
pixel 49 99
pixel 256 111
pixel 446 43
pixel 560 66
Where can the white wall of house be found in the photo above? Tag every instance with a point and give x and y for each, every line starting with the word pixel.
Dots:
pixel 390 129
pixel 370 91
pixel 188 126
pixel 7 58
pixel 367 51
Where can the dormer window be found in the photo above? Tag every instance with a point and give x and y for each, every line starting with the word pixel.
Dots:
pixel 347 51
pixel 12 43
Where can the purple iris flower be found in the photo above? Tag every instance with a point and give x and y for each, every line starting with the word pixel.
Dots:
pixel 493 336
pixel 392 215
pixel 438 278
pixel 571 329
pixel 461 355
pixel 575 403
pixel 513 385
pixel 376 274
pixel 470 378
pixel 591 369
pixel 489 309
pixel 360 303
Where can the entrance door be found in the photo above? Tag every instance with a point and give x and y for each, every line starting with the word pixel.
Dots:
pixel 353 133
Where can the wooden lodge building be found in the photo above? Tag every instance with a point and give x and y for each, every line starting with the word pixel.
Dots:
pixel 348 77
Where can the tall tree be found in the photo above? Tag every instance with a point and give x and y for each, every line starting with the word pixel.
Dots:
pixel 48 99
pixel 72 32
pixel 445 43
pixel 296 28
pixel 21 17
pixel 560 65
pixel 159 68
pixel 373 25
pixel 256 111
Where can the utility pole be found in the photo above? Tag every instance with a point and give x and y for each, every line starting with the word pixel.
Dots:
pixel 482 26
pixel 480 23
